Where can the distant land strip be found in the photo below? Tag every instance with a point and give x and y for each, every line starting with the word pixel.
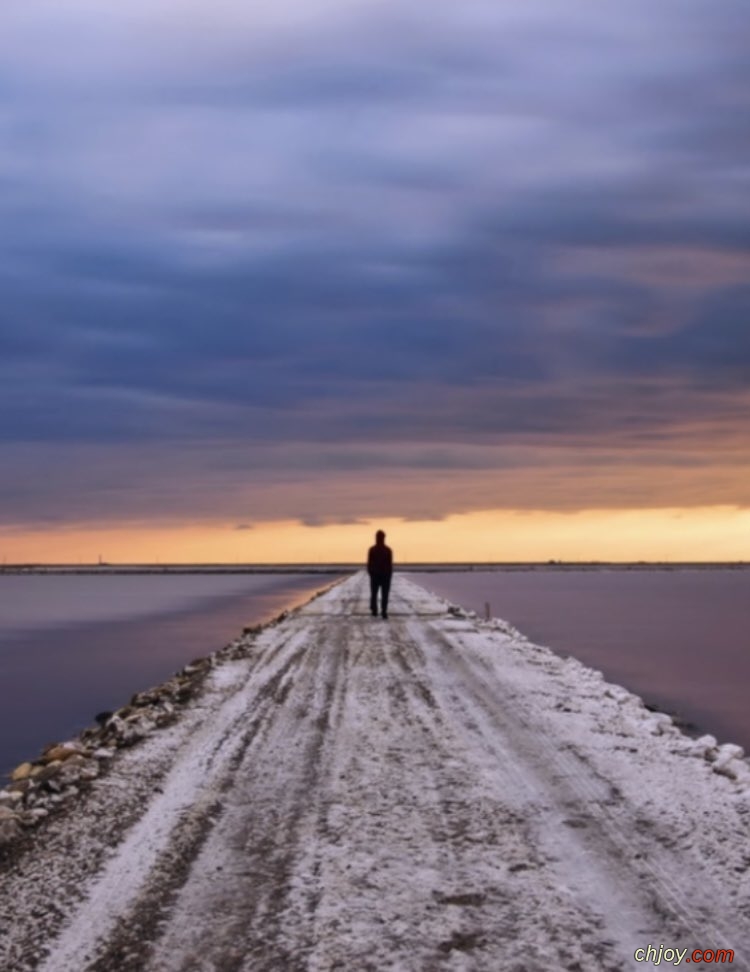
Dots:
pixel 338 568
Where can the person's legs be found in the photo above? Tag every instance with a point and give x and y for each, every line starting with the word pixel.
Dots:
pixel 374 596
pixel 386 582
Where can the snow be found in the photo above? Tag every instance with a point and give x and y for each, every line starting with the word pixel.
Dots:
pixel 434 791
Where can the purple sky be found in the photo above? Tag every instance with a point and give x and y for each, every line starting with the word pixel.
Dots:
pixel 328 260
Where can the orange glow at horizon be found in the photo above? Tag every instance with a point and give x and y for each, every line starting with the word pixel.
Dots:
pixel 718 533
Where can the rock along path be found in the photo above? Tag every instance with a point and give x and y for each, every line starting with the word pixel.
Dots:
pixel 427 793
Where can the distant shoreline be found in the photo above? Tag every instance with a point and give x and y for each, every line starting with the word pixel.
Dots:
pixel 337 568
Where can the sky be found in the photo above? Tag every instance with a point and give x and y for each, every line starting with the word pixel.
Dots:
pixel 275 275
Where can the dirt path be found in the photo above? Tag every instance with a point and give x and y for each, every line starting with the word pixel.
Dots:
pixel 425 793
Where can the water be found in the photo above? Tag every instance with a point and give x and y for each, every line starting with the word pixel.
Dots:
pixel 72 646
pixel 678 638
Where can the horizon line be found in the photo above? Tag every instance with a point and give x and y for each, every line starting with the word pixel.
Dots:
pixel 156 566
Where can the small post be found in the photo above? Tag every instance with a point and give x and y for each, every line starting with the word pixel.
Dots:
pixel 486 610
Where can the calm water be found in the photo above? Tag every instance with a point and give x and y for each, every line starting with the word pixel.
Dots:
pixel 678 638
pixel 72 646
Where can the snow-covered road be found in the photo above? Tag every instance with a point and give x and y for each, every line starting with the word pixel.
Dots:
pixel 428 793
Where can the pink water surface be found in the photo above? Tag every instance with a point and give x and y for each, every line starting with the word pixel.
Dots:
pixel 679 638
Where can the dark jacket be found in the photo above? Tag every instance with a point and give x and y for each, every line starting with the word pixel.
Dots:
pixel 380 561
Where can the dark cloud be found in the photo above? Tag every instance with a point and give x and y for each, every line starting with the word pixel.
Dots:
pixel 359 248
pixel 320 520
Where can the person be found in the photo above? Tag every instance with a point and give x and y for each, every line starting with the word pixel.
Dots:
pixel 380 568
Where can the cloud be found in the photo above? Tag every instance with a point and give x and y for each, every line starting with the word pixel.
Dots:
pixel 320 520
pixel 324 243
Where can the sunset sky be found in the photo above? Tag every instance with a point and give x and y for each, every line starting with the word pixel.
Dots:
pixel 274 275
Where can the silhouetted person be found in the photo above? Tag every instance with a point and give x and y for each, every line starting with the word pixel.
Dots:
pixel 380 568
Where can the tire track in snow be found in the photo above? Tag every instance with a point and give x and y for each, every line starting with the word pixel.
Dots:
pixel 273 806
pixel 633 870
pixel 491 845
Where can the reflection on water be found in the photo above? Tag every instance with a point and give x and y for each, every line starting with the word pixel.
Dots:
pixel 678 638
pixel 53 680
pixel 41 600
